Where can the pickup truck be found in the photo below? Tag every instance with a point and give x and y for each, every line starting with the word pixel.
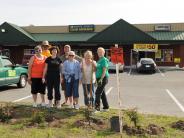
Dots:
pixel 12 74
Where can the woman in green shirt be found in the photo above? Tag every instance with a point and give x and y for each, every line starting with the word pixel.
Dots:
pixel 102 75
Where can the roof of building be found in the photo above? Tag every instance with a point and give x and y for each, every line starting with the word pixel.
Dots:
pixel 56 29
pixel 179 35
pixel 14 35
pixel 63 37
pixel 123 32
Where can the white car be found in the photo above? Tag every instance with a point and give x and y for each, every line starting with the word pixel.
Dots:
pixel 112 67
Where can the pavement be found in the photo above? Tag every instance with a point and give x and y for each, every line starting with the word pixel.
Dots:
pixel 159 93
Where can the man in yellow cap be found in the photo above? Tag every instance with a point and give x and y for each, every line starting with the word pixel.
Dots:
pixel 45 48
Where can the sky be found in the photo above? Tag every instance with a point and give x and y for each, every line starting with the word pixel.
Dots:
pixel 74 12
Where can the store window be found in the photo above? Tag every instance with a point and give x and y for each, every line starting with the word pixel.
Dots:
pixel 27 55
pixel 164 55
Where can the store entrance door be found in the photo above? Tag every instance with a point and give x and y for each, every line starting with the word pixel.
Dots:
pixel 141 54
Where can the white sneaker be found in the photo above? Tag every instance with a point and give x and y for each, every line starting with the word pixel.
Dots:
pixel 77 106
pixel 58 106
pixel 43 104
pixel 35 105
pixel 96 111
pixel 70 106
pixel 105 110
pixel 50 104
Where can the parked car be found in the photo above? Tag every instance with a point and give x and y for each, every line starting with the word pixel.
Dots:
pixel 112 67
pixel 146 65
pixel 12 74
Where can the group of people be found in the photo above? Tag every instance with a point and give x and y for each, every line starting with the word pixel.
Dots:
pixel 48 71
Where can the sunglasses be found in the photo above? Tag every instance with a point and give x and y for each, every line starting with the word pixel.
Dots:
pixel 71 55
pixel 38 50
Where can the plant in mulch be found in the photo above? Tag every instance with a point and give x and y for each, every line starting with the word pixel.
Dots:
pixel 5 113
pixel 178 125
pixel 49 117
pixel 37 117
pixel 88 113
pixel 133 116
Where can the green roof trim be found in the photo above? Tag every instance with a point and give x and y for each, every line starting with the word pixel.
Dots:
pixel 174 36
pixel 63 37
pixel 122 32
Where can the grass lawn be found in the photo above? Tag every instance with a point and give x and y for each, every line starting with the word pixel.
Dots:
pixel 23 121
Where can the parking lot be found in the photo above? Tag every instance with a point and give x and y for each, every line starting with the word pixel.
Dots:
pixel 159 93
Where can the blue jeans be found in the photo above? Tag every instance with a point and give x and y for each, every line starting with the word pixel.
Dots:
pixel 72 87
pixel 88 99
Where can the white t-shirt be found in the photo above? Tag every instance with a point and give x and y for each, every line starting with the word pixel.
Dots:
pixel 87 73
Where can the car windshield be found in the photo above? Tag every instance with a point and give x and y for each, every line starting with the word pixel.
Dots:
pixel 147 61
pixel 6 62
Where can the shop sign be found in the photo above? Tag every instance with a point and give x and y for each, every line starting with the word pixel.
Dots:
pixel 117 55
pixel 146 47
pixel 177 60
pixel 158 54
pixel 81 28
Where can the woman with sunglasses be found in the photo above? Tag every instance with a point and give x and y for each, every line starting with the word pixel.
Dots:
pixel 72 73
pixel 35 73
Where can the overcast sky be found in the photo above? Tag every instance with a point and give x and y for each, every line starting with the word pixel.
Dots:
pixel 70 12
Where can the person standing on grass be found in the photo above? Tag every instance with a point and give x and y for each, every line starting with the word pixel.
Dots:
pixel 72 74
pixel 52 76
pixel 88 78
pixel 63 58
pixel 35 73
pixel 102 75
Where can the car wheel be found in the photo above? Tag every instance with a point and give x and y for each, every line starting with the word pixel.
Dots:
pixel 22 82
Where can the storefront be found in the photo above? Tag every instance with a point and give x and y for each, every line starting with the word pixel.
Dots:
pixel 20 41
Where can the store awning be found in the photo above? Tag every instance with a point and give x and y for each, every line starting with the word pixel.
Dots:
pixel 63 37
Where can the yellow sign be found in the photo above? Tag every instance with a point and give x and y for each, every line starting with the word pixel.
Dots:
pixel 11 73
pixel 177 60
pixel 146 47
pixel 158 54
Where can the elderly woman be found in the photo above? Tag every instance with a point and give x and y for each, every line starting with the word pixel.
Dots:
pixel 35 73
pixel 88 78
pixel 52 73
pixel 72 73
pixel 102 79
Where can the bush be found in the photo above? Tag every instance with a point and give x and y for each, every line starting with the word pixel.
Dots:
pixel 133 116
pixel 37 117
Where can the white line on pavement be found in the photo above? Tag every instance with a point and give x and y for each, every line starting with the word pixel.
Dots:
pixel 175 100
pixel 109 90
pixel 130 72
pixel 160 72
pixel 31 96
pixel 22 99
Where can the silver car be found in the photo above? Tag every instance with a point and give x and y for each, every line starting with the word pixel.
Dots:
pixel 112 67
